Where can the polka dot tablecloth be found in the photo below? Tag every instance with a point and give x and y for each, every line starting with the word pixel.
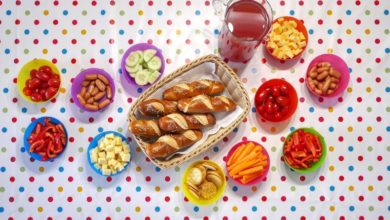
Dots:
pixel 353 183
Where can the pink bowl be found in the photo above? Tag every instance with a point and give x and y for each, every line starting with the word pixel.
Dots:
pixel 258 179
pixel 76 85
pixel 337 63
pixel 141 46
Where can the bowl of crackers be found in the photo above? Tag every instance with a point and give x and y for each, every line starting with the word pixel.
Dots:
pixel 203 182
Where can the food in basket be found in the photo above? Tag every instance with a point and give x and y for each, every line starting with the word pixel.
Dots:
pixel 323 79
pixel 286 40
pixel 95 93
pixel 177 122
pixel 171 143
pixel 188 90
pixel 302 149
pixel 111 155
pixel 203 181
pixel 157 107
pixel 145 128
pixel 143 66
pixel 206 104
pixel 43 84
pixel 247 163
pixel 47 139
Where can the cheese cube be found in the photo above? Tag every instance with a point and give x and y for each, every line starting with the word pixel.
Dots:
pixel 104 166
pixel 110 155
pixel 102 161
pixel 106 171
pixel 109 136
pixel 97 166
pixel 119 166
pixel 118 141
pixel 94 158
pixel 110 148
pixel 112 163
pixel 102 155
pixel 118 149
pixel 126 148
pixel 125 157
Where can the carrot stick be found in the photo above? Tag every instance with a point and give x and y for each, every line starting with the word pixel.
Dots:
pixel 248 179
pixel 247 148
pixel 242 166
pixel 251 156
pixel 236 153
pixel 252 170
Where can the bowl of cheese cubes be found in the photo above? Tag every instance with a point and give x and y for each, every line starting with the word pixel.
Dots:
pixel 109 153
pixel 288 38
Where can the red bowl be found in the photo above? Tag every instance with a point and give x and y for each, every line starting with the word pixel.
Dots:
pixel 292 96
pixel 258 179
pixel 300 27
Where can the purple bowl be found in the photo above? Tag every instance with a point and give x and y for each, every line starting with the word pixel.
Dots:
pixel 337 63
pixel 141 46
pixel 76 86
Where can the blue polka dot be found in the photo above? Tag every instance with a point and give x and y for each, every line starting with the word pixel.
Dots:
pixel 157 209
pixel 197 12
pixel 388 168
pixel 196 208
pixel 292 129
pixel 141 32
pixel 59 209
pixel 235 130
pixel 352 208
pixel 387 50
pixel 293 208
pixel 330 31
pixel 348 12
pixel 61 169
pixel 215 149
pixel 41 189
pixel 235 188
pixel 63 70
pixel 350 168
pixel 102 12
pixel 197 51
pixel 21 189
pixel 27 32
pixel 139 90
pixel 253 109
pixel 7 51
pixel 350 148
pixel 311 31
pixel 22 149
pixel 388 208
pixel 158 169
pixel 2 169
pixel 292 12
pixel 331 188
pixel 62 110
pixel 118 189
pixel 8 12
pixel 120 110
pixel 350 109
pixel 387 89
pixel 98 209
pixel 64 51
pixel 1 209
pixel 100 129
pixel 349 50
pixel 45 32
pixel 216 32
pixel 311 109
pixel 159 12
pixel 254 70
pixel 254 208
pixel 121 32
pixel 350 69
pixel 138 189
pixel 65 12
pixel 102 51
pixel 331 129
pixel 386 12
pixel 312 188
pixel 4 129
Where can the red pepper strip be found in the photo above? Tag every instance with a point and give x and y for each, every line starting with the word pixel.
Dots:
pixel 298 154
pixel 38 128
pixel 43 154
pixel 60 128
pixel 318 143
pixel 43 132
pixel 57 146
pixel 49 135
pixel 47 121
pixel 296 139
pixel 289 161
pixel 48 151
pixel 43 146
pixel 35 144
pixel 310 145
pixel 30 141
pixel 63 140
pixel 308 158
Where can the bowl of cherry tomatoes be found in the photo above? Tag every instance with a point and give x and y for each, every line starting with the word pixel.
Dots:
pixel 39 81
pixel 276 100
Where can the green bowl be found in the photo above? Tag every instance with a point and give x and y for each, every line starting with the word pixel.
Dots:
pixel 315 165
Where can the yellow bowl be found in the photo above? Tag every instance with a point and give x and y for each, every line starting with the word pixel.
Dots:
pixel 194 200
pixel 24 75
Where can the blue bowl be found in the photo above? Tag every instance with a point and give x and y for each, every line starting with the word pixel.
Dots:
pixel 94 143
pixel 31 128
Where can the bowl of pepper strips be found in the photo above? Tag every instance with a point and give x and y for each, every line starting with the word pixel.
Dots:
pixel 304 150
pixel 45 138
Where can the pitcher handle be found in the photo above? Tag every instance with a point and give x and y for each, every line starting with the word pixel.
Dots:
pixel 220 8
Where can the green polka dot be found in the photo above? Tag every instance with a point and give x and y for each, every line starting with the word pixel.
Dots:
pixel 388 148
pixel 178 51
pixel 368 70
pixel 367 12
pixel 311 12
pixel 20 209
pixel 312 208
pixel 387 109
pixel 369 148
pixel 121 13
pixel 178 13
pixel 79 209
pixel 273 208
pixel 197 31
pixel 83 51
pixel 387 70
pixel 119 90
pixel 387 31
pixel 5 110
pixel 370 168
pixel 121 51
pixel 371 208
pixel 27 12
pixel 23 129
pixel 177 169
pixel 102 31
pixel 273 168
pixel 215 209
pixel 273 148
pixel 84 12
pixel 177 209
pixel 26 51
pixel 22 169
pixel 120 129
pixel 3 149
pixel 6 70
pixel 369 109
pixel 292 188
pixel 118 209
pixel 80 169
pixel 99 189
pixel 8 32
pixel 81 149
pixel 368 50
pixel 310 51
pixel 2 189
pixel 292 70
pixel 388 188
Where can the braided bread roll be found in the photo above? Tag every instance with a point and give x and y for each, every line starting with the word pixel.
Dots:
pixel 188 90
pixel 145 128
pixel 206 104
pixel 156 107
pixel 169 144
pixel 177 122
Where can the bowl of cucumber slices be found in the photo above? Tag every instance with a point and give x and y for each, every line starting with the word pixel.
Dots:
pixel 142 64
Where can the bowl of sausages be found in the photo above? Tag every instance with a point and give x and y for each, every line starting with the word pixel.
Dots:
pixel 93 90
pixel 327 75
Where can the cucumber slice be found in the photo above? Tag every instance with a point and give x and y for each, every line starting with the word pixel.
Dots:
pixel 133 70
pixel 141 78
pixel 154 63
pixel 153 75
pixel 134 58
pixel 149 54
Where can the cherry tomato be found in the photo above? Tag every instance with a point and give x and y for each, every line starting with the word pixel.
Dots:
pixel 42 92
pixel 284 90
pixel 50 92
pixel 43 76
pixel 33 73
pixel 44 85
pixel 269 108
pixel 270 99
pixel 33 83
pixel 54 82
pixel 268 90
pixel 275 108
pixel 36 97
pixel 276 91
pixel 45 69
pixel 27 91
pixel 278 115
pixel 282 100
pixel 261 97
pixel 55 76
pixel 261 108
pixel 284 110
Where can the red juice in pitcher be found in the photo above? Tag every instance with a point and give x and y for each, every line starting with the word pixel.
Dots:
pixel 246 23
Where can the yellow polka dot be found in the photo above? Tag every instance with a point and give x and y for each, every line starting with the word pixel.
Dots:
pixel 178 32
pixel 43 110
pixel 253 90
pixel 138 169
pixel 330 109
pixel 234 208
pixel 177 188
pixel 60 189
pixel 64 31
pixel 330 50
pixel 62 90
pixel 332 208
pixel 40 209
pixel 348 31
pixel 81 129
pixel 331 148
pixel 273 188
pixel 349 89
pixel 369 128
pixel 157 189
pixel 350 129
pixel 272 129
pixel 46 12
pixel 79 189
pixel 140 12
pixel 159 31
pixel 329 12
pixel 44 51
pixel 331 168
pixel 41 169
pixel 254 129
pixel 351 188
pixel 370 188
pixel 138 149
pixel 83 32
pixel 137 209
pixel 367 31
pixel 254 188
pixel 368 89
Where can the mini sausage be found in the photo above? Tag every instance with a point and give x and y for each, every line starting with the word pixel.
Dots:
pixel 322 75
pixel 83 91
pixel 104 103
pixel 100 85
pixel 99 96
pixel 91 88
pixel 108 92
pixel 85 83
pixel 90 100
pixel 104 79
pixel 326 85
pixel 95 91
pixel 91 77
pixel 92 107
pixel 87 95
pixel 334 73
pixel 81 99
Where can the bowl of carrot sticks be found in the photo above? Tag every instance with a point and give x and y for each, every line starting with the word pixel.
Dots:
pixel 247 163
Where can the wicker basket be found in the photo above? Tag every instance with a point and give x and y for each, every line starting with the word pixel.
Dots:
pixel 232 84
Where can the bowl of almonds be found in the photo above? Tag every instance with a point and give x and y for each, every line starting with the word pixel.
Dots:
pixel 203 182
pixel 327 75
